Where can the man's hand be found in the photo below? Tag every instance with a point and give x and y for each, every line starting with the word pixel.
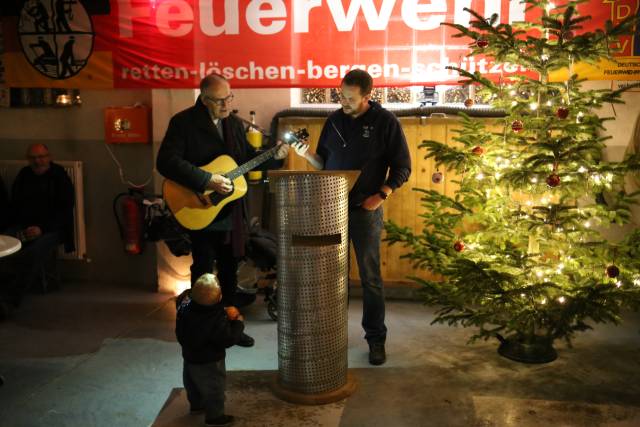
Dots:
pixel 301 148
pixel 374 201
pixel 32 232
pixel 282 151
pixel 220 184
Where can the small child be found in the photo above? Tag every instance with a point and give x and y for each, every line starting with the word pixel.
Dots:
pixel 205 330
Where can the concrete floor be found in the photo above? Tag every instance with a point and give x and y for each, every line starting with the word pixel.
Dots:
pixel 107 356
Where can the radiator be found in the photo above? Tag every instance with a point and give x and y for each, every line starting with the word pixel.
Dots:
pixel 10 168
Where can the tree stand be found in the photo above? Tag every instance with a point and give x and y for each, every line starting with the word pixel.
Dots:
pixel 527 349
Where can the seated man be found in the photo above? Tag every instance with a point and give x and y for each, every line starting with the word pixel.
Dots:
pixel 4 206
pixel 41 216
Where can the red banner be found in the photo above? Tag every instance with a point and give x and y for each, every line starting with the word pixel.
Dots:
pixel 264 43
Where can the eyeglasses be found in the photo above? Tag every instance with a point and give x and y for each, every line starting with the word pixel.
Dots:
pixel 38 157
pixel 218 101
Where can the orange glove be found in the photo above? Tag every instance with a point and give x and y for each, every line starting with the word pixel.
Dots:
pixel 232 312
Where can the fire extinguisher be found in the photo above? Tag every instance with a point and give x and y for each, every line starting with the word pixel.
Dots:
pixel 129 212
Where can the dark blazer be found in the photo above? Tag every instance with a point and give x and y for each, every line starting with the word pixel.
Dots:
pixel 192 140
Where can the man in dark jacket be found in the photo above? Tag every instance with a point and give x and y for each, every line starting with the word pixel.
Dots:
pixel 41 216
pixel 194 138
pixel 205 330
pixel 364 136
pixel 4 206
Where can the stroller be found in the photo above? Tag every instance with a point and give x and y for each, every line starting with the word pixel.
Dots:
pixel 257 272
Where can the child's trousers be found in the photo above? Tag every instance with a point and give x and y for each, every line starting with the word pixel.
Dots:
pixel 205 385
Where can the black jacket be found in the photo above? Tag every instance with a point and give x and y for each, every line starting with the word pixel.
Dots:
pixel 372 143
pixel 4 206
pixel 45 200
pixel 204 332
pixel 192 140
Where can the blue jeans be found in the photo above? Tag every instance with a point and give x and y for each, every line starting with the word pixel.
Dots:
pixel 365 231
pixel 205 385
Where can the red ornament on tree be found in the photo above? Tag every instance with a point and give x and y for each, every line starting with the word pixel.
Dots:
pixel 567 35
pixel 477 150
pixel 482 43
pixel 553 180
pixel 517 126
pixel 562 112
pixel 468 102
pixel 458 246
pixel 613 271
pixel 436 178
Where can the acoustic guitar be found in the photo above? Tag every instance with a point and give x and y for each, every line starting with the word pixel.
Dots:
pixel 195 211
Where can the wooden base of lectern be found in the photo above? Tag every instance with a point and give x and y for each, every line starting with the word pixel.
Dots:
pixel 316 398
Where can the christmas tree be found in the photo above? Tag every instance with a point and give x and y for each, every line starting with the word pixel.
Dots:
pixel 519 251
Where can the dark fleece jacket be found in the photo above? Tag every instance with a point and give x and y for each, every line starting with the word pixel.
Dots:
pixel 204 332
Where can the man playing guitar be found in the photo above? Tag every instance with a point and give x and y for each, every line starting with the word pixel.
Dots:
pixel 194 138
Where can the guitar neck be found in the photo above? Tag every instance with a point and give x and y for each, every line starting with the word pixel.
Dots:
pixel 256 161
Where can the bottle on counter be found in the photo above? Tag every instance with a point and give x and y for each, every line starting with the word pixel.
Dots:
pixel 255 139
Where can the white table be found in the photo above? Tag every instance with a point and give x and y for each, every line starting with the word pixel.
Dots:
pixel 8 245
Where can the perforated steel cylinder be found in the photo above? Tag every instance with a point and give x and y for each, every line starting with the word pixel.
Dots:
pixel 312 282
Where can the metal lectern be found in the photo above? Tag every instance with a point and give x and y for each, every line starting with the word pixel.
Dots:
pixel 313 252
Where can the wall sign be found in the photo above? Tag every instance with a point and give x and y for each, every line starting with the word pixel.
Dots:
pixel 267 43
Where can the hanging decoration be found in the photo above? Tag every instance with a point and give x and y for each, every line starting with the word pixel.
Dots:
pixel 553 180
pixel 517 126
